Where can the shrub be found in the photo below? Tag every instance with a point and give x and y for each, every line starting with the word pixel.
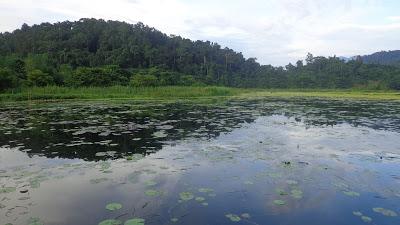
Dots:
pixel 140 80
pixel 39 78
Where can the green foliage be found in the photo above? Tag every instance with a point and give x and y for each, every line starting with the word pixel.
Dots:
pixel 140 80
pixel 39 78
pixel 80 54
pixel 7 79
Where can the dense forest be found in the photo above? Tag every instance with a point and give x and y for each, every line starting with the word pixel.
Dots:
pixel 92 52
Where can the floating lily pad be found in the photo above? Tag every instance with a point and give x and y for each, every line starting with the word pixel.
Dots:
pixel 160 134
pixel 110 222
pixel 174 220
pixel 366 219
pixel 280 191
pixel 297 194
pixel 357 213
pixel 385 212
pixel 34 221
pixel 186 196
pixel 248 182
pixel 6 190
pixel 206 190
pixel 279 202
pixel 152 193
pixel 135 221
pixel 98 180
pixel 351 193
pixel 150 183
pixel 113 206
pixel 233 217
pixel 200 199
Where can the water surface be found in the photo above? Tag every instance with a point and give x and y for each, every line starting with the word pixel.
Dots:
pixel 260 161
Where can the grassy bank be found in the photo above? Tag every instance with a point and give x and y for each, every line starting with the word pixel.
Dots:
pixel 122 92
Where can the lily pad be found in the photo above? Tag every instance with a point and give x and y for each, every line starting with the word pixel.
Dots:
pixel 152 193
pixel 135 221
pixel 174 220
pixel 34 221
pixel 110 222
pixel 279 202
pixel 186 196
pixel 297 194
pixel 150 183
pixel 113 206
pixel 200 199
pixel 6 190
pixel 366 219
pixel 233 217
pixel 385 212
pixel 357 213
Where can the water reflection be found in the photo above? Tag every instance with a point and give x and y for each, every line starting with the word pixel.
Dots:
pixel 246 162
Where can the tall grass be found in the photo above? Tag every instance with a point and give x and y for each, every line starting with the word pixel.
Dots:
pixel 180 92
pixel 122 92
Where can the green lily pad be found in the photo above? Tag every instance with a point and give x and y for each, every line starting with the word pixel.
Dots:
pixel 113 206
pixel 110 222
pixel 135 221
pixel 98 180
pixel 186 196
pixel 297 194
pixel 150 183
pixel 206 190
pixel 174 220
pixel 233 217
pixel 279 202
pixel 357 213
pixel 6 190
pixel 34 221
pixel 152 193
pixel 200 199
pixel 280 191
pixel 385 212
pixel 366 219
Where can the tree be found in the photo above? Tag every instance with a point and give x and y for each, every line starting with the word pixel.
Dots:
pixel 39 78
pixel 7 79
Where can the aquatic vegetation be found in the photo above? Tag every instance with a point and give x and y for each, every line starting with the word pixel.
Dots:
pixel 153 193
pixel 200 199
pixel 233 217
pixel 385 212
pixel 174 220
pixel 297 194
pixel 351 193
pixel 150 183
pixel 135 221
pixel 366 219
pixel 186 196
pixel 113 206
pixel 357 213
pixel 110 222
pixel 7 189
pixel 279 202
pixel 98 180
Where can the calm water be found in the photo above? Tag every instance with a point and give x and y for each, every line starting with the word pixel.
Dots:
pixel 264 161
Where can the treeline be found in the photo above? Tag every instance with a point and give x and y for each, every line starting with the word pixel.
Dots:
pixel 92 52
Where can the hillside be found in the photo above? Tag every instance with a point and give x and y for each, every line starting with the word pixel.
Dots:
pixel 92 52
pixel 383 58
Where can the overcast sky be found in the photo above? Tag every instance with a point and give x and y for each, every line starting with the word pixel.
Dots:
pixel 274 31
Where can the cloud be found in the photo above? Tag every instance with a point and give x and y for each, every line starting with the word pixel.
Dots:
pixel 274 31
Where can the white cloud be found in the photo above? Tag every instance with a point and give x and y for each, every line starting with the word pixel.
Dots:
pixel 274 31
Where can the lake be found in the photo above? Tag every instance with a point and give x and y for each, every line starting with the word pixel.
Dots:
pixel 234 161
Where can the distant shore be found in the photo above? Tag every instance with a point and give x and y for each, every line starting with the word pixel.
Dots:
pixel 182 92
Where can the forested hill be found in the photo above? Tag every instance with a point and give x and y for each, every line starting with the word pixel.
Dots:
pixel 383 58
pixel 92 52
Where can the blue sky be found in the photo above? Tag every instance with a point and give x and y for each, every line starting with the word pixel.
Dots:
pixel 274 31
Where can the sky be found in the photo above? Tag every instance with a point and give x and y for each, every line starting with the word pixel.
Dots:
pixel 273 31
